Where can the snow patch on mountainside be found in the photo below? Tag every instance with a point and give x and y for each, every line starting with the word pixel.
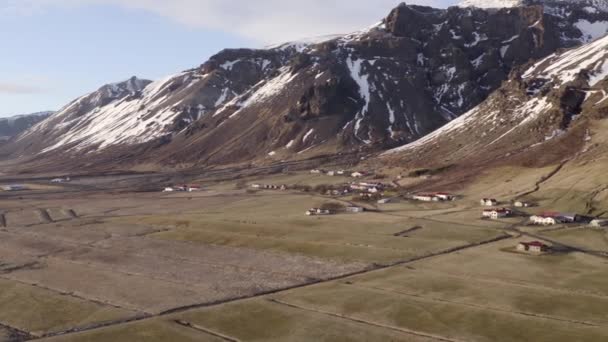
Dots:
pixel 121 121
pixel 490 3
pixel 566 67
pixel 592 31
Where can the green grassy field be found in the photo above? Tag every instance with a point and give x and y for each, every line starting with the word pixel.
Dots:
pixel 49 311
pixel 277 222
pixel 587 238
pixel 243 321
pixel 156 330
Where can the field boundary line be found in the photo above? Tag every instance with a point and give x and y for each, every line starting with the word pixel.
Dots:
pixel 20 334
pixel 447 301
pixel 280 290
pixel 512 282
pixel 363 321
pixel 204 330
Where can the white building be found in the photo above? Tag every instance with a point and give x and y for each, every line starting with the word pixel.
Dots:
pixel 423 197
pixel 544 220
pixel 317 212
pixel 385 201
pixel 495 214
pixel 169 190
pixel 520 204
pixel 14 187
pixel 331 173
pixel 598 223
pixel 532 247
pixel 357 174
pixel 355 209
pixel 316 172
pixel 445 196
pixel 488 202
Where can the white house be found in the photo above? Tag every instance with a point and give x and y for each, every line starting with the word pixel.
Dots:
pixel 317 212
pixel 14 187
pixel 385 201
pixel 599 223
pixel 341 172
pixel 331 173
pixel 568 218
pixel 532 247
pixel 488 202
pixel 520 204
pixel 355 209
pixel 544 220
pixel 495 214
pixel 316 172
pixel 169 190
pixel 445 196
pixel 374 190
pixel 423 197
pixel 357 174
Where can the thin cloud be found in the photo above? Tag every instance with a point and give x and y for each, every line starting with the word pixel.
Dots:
pixel 16 89
pixel 263 21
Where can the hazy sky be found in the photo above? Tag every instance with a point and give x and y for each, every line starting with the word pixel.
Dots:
pixel 56 50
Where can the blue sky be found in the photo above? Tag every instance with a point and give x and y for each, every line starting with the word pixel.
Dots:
pixel 56 50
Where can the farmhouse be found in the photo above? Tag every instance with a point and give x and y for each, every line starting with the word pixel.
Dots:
pixel 316 171
pixel 434 197
pixel 598 223
pixel 488 202
pixel 520 204
pixel 424 197
pixel 443 196
pixel 331 173
pixel 168 190
pixel 495 214
pixel 353 209
pixel 193 188
pixel 358 174
pixel 14 187
pixel 568 218
pixel 544 220
pixel 532 247
pixel 317 212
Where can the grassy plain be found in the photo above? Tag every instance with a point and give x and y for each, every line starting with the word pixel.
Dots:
pixel 48 311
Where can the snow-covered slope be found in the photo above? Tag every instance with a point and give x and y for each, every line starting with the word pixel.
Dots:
pixel 589 61
pixel 547 105
pixel 491 3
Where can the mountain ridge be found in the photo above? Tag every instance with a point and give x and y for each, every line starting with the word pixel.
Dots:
pixel 295 100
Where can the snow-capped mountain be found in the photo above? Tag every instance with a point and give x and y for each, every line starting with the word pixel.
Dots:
pixel 382 87
pixel 12 126
pixel 544 113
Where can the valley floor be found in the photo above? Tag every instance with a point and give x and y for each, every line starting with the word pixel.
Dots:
pixel 94 261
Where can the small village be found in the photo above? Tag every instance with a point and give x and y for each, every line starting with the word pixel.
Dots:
pixel 367 192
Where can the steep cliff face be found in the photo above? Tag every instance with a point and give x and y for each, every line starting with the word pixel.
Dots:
pixel 379 88
pixel 542 115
